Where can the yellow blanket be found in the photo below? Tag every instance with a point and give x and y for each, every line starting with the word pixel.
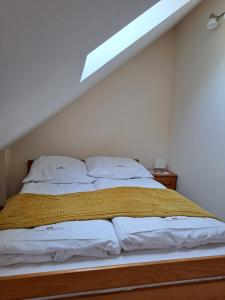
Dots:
pixel 31 210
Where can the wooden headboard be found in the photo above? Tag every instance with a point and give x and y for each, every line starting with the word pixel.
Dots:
pixel 30 162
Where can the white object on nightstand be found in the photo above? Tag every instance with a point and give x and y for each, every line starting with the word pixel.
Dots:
pixel 160 163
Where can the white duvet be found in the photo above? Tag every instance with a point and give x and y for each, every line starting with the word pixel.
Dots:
pixel 165 233
pixel 58 242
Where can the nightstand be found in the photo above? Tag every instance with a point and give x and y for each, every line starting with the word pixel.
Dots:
pixel 168 178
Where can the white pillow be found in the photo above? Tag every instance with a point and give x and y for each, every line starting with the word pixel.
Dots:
pixel 115 168
pixel 58 169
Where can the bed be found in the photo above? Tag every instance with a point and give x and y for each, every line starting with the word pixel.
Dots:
pixel 196 273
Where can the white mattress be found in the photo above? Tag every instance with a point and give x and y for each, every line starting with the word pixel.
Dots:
pixel 140 256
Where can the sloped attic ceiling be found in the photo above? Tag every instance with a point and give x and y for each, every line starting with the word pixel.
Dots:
pixel 44 44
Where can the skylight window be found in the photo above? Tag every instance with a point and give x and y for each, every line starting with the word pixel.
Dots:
pixel 130 34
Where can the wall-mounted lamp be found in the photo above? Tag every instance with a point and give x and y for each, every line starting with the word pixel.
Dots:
pixel 213 20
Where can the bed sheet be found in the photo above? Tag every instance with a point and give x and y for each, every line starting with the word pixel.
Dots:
pixel 105 183
pixel 56 188
pixel 101 183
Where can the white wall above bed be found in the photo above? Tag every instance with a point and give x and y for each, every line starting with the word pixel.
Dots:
pixel 128 114
pixel 43 48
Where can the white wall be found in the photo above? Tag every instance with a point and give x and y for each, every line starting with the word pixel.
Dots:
pixel 2 178
pixel 197 143
pixel 127 114
pixel 43 48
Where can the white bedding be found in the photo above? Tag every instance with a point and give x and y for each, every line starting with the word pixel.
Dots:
pixel 58 242
pixel 162 233
pixel 170 232
pixel 58 169
pixel 105 183
pixel 56 189
pixel 115 168
pixel 100 183
pixel 87 238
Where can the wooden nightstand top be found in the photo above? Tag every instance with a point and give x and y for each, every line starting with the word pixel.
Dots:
pixel 168 178
pixel 168 173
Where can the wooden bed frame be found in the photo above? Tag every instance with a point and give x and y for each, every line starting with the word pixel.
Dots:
pixel 192 279
pixel 197 278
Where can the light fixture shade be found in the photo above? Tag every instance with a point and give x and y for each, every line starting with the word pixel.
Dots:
pixel 212 23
